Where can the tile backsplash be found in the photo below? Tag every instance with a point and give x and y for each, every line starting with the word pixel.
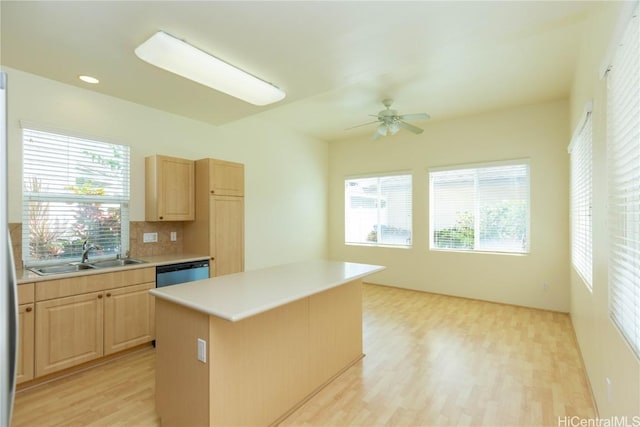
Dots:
pixel 137 248
pixel 164 245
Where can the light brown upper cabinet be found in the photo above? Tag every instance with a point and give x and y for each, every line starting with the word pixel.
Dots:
pixel 169 189
pixel 218 229
pixel 225 178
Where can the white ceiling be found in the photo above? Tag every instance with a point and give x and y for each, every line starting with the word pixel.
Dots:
pixel 336 60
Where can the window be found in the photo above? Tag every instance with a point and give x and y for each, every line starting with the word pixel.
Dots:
pixel 623 153
pixel 378 210
pixel 581 196
pixel 480 208
pixel 74 189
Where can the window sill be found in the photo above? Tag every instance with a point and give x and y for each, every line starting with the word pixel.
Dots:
pixel 462 251
pixel 379 245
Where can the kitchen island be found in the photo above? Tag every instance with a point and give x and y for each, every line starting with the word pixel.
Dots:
pixel 249 348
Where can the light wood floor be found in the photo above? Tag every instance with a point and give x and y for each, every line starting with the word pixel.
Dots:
pixel 431 360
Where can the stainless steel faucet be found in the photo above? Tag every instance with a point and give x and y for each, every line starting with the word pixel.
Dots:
pixel 86 247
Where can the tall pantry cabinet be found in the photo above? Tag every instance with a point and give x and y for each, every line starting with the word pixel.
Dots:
pixel 218 229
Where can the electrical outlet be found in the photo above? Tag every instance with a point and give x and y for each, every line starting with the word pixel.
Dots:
pixel 545 286
pixel 202 350
pixel 150 237
pixel 174 236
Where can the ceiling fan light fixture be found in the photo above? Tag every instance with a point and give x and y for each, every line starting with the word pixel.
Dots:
pixel 176 56
pixel 382 129
pixel 394 127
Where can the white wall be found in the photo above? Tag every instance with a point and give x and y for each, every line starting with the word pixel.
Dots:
pixel 537 132
pixel 285 172
pixel 605 353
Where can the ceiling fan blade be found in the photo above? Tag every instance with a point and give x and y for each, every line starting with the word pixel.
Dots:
pixel 419 116
pixel 364 124
pixel 410 128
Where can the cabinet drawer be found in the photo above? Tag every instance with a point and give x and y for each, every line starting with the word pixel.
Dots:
pixel 130 277
pixel 92 283
pixel 26 293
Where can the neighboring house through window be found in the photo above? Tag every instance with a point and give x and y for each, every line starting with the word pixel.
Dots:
pixel 378 210
pixel 481 208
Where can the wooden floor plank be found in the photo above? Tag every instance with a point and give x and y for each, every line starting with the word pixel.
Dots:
pixel 431 360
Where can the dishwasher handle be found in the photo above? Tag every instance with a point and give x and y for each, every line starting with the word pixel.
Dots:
pixel 182 266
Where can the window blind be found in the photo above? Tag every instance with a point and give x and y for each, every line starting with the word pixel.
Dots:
pixel 74 189
pixel 581 199
pixel 480 208
pixel 378 210
pixel 623 152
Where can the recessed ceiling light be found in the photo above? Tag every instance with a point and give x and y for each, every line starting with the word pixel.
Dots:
pixel 173 55
pixel 89 79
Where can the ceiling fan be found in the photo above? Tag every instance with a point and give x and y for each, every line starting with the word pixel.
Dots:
pixel 390 122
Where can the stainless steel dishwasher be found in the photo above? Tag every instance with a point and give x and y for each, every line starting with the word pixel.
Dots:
pixel 173 274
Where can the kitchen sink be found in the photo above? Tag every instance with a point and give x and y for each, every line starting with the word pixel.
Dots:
pixel 60 269
pixel 116 262
pixel 75 267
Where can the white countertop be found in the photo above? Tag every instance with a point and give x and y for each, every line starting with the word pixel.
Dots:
pixel 27 276
pixel 237 296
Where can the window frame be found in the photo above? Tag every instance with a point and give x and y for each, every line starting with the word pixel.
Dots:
pixel 623 201
pixel 347 203
pixel 581 196
pixel 29 197
pixel 477 166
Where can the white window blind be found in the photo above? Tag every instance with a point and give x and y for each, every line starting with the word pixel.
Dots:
pixel 480 208
pixel 623 152
pixel 581 198
pixel 74 190
pixel 378 210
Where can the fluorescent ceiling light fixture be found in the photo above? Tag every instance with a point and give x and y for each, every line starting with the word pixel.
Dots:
pixel 89 79
pixel 174 55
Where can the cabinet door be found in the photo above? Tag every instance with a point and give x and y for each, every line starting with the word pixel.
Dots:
pixel 25 342
pixel 68 332
pixel 170 187
pixel 226 178
pixel 227 240
pixel 128 317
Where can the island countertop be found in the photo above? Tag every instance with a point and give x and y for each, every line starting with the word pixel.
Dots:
pixel 241 295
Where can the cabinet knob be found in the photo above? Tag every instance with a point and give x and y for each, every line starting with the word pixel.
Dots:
pixel 213 258
pixel 213 192
pixel 99 296
pixel 108 294
pixel 161 217
pixel 29 309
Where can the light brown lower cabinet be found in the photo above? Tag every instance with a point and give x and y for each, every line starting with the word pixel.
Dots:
pixel 129 317
pixel 84 318
pixel 26 316
pixel 26 332
pixel 68 332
